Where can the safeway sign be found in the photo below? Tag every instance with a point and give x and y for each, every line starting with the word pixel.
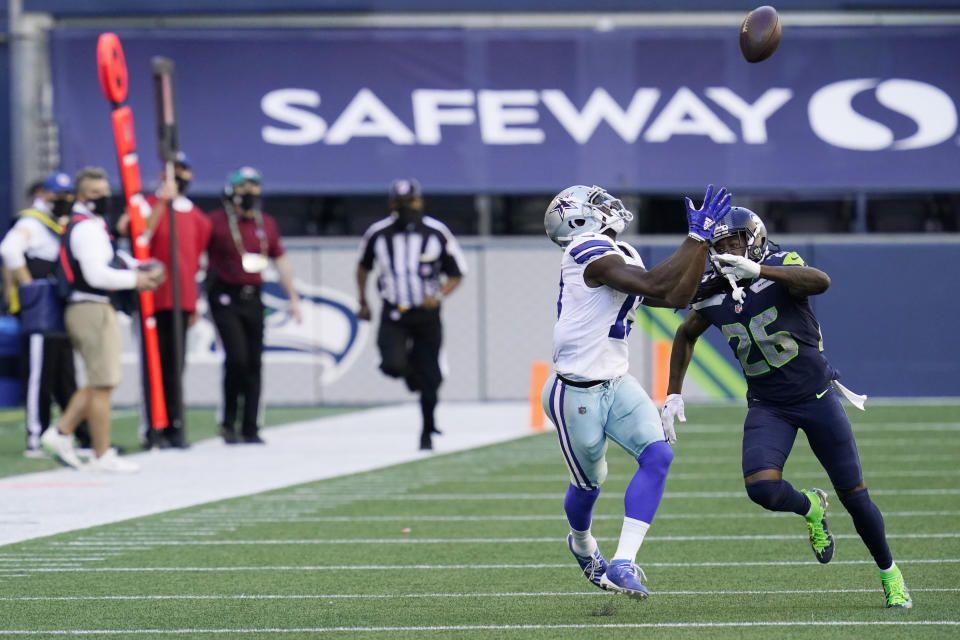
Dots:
pixel 511 117
pixel 528 110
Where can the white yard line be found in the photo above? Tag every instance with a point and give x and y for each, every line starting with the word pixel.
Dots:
pixel 872 427
pixel 395 596
pixel 728 475
pixel 187 542
pixel 491 627
pixel 473 567
pixel 188 520
pixel 872 458
pixel 42 504
pixel 459 497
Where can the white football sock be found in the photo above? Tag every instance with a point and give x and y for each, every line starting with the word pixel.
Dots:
pixel 631 537
pixel 583 542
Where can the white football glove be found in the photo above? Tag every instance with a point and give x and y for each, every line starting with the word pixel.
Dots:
pixel 740 267
pixel 672 408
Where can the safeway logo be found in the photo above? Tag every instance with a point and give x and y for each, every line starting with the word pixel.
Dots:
pixel 834 119
pixel 512 117
pixel 519 116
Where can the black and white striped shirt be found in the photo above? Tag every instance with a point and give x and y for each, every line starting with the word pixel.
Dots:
pixel 410 258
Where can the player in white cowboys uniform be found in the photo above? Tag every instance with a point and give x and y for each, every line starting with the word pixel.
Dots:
pixel 591 397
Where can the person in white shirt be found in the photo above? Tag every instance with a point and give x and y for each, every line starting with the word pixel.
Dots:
pixel 95 269
pixel 590 396
pixel 30 253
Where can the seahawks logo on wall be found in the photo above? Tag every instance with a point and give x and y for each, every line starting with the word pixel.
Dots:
pixel 330 334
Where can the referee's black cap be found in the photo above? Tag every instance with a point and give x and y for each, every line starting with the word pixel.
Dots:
pixel 405 189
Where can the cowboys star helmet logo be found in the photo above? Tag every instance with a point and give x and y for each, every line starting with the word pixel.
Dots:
pixel 562 205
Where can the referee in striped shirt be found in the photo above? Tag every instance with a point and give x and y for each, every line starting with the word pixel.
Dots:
pixel 419 263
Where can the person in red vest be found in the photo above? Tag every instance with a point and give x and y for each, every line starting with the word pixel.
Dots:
pixel 193 233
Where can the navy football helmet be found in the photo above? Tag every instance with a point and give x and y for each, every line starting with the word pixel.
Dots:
pixel 746 224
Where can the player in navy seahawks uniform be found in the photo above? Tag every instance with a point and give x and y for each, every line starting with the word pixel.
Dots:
pixel 759 301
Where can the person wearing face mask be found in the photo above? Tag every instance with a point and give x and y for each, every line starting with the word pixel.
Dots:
pixel 192 233
pixel 243 241
pixel 419 263
pixel 29 251
pixel 94 269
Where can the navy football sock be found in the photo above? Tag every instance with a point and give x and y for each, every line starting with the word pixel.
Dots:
pixel 869 524
pixel 646 488
pixel 778 495
pixel 578 504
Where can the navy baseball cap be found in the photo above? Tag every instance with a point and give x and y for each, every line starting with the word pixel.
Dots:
pixel 183 158
pixel 405 189
pixel 58 182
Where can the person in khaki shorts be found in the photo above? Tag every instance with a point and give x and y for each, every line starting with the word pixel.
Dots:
pixel 90 265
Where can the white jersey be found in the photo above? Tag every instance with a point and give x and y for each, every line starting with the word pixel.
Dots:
pixel 590 337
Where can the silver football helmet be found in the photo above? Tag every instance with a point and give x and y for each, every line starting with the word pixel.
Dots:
pixel 581 209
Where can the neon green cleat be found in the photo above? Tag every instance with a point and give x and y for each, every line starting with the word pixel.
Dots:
pixel 894 589
pixel 821 540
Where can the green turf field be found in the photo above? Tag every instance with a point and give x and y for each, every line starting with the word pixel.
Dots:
pixel 471 545
pixel 200 422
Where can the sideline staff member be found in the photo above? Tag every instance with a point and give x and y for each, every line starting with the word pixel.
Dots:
pixel 89 260
pixel 193 235
pixel 30 251
pixel 411 252
pixel 242 240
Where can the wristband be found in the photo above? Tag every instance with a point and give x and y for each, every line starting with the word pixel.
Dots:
pixel 696 237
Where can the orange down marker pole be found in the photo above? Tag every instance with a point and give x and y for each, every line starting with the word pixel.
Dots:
pixel 661 370
pixel 539 372
pixel 112 70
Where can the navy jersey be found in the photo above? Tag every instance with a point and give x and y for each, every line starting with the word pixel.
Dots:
pixel 774 335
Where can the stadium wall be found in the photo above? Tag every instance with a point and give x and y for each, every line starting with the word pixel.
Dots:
pixel 888 326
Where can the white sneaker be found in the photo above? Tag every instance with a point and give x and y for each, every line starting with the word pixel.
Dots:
pixel 112 463
pixel 60 447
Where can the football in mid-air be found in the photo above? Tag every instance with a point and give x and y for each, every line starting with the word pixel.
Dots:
pixel 760 34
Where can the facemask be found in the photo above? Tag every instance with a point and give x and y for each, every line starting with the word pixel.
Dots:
pixel 61 208
pixel 182 186
pixel 618 226
pixel 99 206
pixel 247 201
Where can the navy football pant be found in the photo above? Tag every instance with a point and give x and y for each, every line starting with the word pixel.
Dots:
pixel 768 436
pixel 769 433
